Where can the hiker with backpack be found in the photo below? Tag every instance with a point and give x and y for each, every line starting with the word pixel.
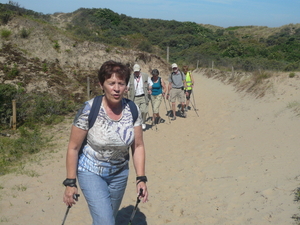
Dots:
pixel 98 151
pixel 158 92
pixel 139 88
pixel 176 88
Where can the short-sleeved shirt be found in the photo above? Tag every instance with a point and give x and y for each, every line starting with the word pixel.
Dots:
pixel 177 79
pixel 139 84
pixel 108 141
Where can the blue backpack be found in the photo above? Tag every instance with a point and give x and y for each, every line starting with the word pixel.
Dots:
pixel 96 107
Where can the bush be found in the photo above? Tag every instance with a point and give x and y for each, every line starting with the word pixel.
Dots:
pixel 8 93
pixel 291 75
pixel 41 108
pixel 32 109
pixel 145 46
pixel 5 18
pixel 24 33
pixel 11 73
pixel 45 67
pixel 12 151
pixel 5 33
pixel 56 46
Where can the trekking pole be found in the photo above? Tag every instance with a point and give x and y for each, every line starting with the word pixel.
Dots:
pixel 155 124
pixel 195 109
pixel 171 111
pixel 75 196
pixel 194 99
pixel 168 114
pixel 136 205
pixel 194 106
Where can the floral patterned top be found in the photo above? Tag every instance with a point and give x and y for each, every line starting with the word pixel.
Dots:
pixel 106 150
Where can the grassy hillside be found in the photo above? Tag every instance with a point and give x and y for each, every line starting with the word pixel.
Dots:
pixel 246 48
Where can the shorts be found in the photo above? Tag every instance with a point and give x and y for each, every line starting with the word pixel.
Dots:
pixel 188 96
pixel 177 94
pixel 156 101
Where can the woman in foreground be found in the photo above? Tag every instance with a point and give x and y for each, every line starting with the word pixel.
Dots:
pixel 101 165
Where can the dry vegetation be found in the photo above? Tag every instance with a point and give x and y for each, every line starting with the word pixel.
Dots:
pixel 257 84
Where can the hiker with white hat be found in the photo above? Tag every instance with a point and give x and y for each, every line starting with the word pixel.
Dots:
pixel 139 88
pixel 176 88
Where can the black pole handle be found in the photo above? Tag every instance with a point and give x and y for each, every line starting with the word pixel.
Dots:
pixel 75 196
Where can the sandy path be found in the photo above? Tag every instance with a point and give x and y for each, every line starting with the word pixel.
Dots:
pixel 237 163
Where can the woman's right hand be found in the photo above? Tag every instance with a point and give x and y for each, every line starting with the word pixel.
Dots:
pixel 70 196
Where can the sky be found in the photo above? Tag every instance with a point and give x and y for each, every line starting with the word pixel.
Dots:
pixel 223 13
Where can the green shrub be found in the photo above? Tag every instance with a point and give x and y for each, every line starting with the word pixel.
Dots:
pixel 5 18
pixel 12 151
pixel 11 73
pixel 43 108
pixel 24 33
pixel 8 93
pixel 145 46
pixel 56 46
pixel 45 67
pixel 14 72
pixel 5 33
pixel 291 75
pixel 32 109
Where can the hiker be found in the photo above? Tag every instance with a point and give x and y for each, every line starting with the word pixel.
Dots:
pixel 101 163
pixel 139 88
pixel 176 90
pixel 158 92
pixel 189 79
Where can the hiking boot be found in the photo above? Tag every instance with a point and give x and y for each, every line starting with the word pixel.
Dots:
pixel 183 114
pixel 173 118
pixel 189 108
pixel 161 120
pixel 157 120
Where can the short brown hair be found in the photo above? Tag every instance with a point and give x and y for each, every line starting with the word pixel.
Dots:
pixel 185 69
pixel 111 67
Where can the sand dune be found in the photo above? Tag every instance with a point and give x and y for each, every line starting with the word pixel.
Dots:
pixel 235 161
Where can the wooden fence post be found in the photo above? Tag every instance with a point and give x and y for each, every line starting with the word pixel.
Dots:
pixel 88 88
pixel 14 119
pixel 168 54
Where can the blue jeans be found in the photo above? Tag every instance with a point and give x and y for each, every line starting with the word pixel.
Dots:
pixel 103 194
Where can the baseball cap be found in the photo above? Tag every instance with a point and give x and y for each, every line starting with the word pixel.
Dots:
pixel 174 65
pixel 136 68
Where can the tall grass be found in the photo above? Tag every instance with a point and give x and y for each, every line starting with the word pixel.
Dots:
pixel 34 111
pixel 296 217
pixel 5 33
pixel 14 150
